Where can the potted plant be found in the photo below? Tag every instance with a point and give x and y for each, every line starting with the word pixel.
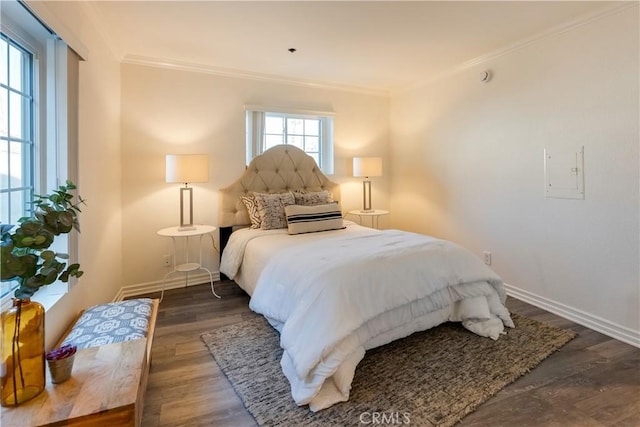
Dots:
pixel 60 361
pixel 25 257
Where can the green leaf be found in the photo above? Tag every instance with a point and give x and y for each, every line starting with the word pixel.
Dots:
pixel 29 228
pixel 66 218
pixel 33 282
pixel 26 241
pixel 72 270
pixel 51 277
pixel 43 240
pixel 29 265
pixel 10 267
pixel 25 254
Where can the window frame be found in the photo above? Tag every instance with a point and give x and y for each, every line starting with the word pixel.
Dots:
pixel 255 135
pixel 54 155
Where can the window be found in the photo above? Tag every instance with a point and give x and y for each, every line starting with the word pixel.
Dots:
pixel 310 131
pixel 38 121
pixel 16 130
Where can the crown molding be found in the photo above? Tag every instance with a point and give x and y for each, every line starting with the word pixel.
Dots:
pixel 523 43
pixel 172 64
pixel 93 15
pixel 52 21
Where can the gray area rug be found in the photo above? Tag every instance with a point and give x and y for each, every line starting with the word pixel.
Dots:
pixel 431 378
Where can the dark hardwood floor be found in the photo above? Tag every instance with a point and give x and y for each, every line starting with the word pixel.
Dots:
pixel 592 381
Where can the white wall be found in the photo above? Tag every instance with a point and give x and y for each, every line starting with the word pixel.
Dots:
pixel 99 173
pixel 467 165
pixel 173 111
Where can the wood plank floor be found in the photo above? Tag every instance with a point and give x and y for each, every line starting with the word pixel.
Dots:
pixel 592 381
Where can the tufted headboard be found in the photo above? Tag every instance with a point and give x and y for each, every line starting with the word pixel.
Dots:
pixel 277 170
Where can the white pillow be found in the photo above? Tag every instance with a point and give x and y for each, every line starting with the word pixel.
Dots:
pixel 309 219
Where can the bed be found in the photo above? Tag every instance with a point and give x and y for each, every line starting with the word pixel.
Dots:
pixel 334 289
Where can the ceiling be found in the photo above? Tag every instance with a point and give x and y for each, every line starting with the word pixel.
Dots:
pixel 375 45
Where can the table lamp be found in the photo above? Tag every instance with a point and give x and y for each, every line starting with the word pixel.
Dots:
pixel 186 168
pixel 367 167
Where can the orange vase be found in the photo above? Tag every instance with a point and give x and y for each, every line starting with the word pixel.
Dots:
pixel 22 352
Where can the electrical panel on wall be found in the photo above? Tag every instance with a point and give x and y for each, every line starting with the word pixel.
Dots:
pixel 564 173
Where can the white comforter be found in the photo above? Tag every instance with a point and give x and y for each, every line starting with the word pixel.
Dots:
pixel 336 296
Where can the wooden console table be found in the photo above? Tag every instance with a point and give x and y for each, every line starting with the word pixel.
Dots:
pixel 104 390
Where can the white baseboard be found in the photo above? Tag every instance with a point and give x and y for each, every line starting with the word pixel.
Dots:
pixel 619 332
pixel 171 283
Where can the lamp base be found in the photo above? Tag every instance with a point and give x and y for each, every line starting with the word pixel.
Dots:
pixel 186 209
pixel 366 197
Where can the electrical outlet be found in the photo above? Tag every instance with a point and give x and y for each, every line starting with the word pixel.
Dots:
pixel 487 257
pixel 166 260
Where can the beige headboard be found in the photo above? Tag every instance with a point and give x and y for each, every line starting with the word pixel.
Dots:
pixel 279 169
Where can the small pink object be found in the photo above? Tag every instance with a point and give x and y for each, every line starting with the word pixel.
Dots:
pixel 62 352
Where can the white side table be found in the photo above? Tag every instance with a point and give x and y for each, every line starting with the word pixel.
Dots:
pixel 187 266
pixel 374 215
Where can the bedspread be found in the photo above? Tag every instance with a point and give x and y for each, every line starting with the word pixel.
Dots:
pixel 346 293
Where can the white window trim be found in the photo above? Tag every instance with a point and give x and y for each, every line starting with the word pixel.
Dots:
pixel 286 110
pixel 53 163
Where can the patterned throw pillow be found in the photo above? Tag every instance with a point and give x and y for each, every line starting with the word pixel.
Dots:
pixel 312 198
pixel 252 208
pixel 271 209
pixel 309 219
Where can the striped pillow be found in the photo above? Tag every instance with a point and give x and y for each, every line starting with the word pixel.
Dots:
pixel 309 219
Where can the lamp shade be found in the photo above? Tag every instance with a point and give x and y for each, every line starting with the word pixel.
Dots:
pixel 367 166
pixel 186 168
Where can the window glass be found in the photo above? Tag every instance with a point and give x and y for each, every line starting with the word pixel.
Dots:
pixel 16 130
pixel 311 144
pixel 272 141
pixel 274 125
pixel 295 126
pixel 311 133
pixel 3 64
pixel 312 127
